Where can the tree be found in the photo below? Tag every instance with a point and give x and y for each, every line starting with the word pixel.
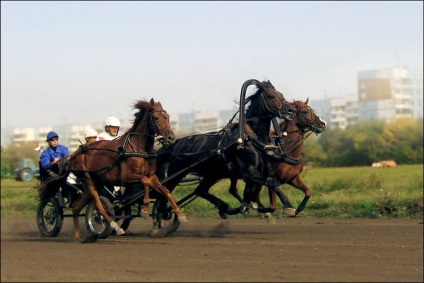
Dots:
pixel 405 140
pixel 11 155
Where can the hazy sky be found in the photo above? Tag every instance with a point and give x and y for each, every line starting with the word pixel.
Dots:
pixel 79 62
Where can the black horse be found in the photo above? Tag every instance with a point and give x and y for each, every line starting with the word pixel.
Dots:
pixel 239 150
pixel 286 170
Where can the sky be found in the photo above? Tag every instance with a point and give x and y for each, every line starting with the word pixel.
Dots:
pixel 65 62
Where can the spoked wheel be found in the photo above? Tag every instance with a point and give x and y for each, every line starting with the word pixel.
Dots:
pixel 49 217
pixel 96 223
pixel 165 222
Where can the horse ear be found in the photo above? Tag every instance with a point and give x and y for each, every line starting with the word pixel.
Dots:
pixel 307 100
pixel 152 101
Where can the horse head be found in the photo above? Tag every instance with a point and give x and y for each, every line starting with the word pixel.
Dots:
pixel 306 118
pixel 273 101
pixel 158 120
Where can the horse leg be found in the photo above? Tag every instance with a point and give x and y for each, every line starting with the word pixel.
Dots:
pixel 145 211
pixel 92 189
pixel 156 184
pixel 77 206
pixel 272 201
pixel 300 185
pixel 202 190
pixel 273 206
pixel 288 207
pixel 233 189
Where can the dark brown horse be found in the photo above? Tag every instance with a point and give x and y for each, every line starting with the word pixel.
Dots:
pixel 287 170
pixel 125 161
pixel 229 152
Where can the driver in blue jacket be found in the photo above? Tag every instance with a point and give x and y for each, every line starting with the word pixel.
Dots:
pixel 50 157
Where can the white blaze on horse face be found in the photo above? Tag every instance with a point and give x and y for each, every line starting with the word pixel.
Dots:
pixel 324 122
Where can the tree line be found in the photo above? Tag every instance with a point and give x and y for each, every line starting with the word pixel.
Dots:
pixel 366 142
pixel 359 145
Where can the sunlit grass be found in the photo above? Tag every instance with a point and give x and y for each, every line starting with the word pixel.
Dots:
pixel 351 192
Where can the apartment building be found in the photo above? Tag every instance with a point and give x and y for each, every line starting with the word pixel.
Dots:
pixel 73 135
pixel 389 94
pixel 384 94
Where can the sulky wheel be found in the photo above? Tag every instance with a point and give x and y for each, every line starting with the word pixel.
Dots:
pixel 95 222
pixel 49 217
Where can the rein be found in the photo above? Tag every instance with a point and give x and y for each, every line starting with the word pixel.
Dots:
pixel 120 151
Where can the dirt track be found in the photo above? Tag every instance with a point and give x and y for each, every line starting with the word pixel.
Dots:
pixel 237 250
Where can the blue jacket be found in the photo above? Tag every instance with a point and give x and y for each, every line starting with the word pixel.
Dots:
pixel 48 155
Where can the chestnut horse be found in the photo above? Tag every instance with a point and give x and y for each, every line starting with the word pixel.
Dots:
pixel 129 159
pixel 287 169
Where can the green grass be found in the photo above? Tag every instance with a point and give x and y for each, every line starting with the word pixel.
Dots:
pixel 350 192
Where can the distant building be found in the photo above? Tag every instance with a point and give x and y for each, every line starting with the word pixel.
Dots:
pixel 388 94
pixel 385 94
pixel 73 135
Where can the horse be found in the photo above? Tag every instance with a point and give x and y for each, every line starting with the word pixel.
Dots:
pixel 127 160
pixel 239 149
pixel 286 170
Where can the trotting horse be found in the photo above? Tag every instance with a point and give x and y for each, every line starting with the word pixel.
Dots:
pixel 229 152
pixel 287 169
pixel 121 162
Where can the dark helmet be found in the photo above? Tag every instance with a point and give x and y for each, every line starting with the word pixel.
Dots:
pixel 51 135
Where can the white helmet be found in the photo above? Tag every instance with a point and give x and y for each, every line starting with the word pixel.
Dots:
pixel 113 121
pixel 91 133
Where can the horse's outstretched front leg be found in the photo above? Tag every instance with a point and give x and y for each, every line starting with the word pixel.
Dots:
pixel 157 185
pixel 300 185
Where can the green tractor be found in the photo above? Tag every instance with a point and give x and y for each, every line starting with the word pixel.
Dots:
pixel 26 170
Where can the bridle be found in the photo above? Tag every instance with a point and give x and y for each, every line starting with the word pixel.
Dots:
pixel 153 125
pixel 308 123
pixel 267 101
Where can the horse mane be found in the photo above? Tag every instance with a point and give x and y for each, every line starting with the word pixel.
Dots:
pixel 261 87
pixel 143 106
pixel 267 84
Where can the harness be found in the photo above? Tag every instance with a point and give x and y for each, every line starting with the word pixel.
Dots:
pixel 121 152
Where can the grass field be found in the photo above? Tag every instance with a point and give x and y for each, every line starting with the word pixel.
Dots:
pixel 349 192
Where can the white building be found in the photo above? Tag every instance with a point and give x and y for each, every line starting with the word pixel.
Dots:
pixel 388 94
pixel 385 94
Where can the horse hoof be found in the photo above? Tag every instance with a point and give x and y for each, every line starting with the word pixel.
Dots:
pixel 223 214
pixel 145 215
pixel 120 232
pixel 182 219
pixel 290 211
pixel 255 205
pixel 270 218
pixel 89 239
pixel 158 233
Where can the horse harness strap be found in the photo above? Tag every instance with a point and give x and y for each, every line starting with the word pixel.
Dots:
pixel 289 160
pixel 119 156
pixel 277 131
